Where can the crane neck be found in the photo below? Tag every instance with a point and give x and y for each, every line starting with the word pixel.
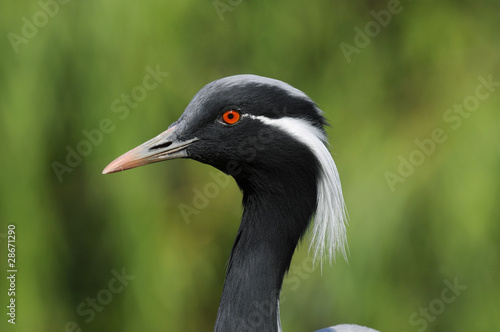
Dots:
pixel 272 224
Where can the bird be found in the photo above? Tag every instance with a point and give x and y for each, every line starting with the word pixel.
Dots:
pixel 270 137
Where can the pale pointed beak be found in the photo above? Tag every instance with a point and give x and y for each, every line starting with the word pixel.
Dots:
pixel 163 147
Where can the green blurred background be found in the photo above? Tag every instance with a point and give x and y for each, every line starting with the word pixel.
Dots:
pixel 438 224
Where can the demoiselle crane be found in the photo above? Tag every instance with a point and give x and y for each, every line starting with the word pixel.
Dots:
pixel 270 137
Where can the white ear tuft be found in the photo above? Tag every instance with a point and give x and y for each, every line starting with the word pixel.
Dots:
pixel 328 233
pixel 329 226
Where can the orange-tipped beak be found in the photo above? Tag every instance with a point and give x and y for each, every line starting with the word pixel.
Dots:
pixel 163 147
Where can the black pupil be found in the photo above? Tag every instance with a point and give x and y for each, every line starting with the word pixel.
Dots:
pixel 230 115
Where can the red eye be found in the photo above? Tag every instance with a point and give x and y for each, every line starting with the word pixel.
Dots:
pixel 231 116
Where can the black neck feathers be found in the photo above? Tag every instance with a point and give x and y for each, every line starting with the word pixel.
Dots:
pixel 277 210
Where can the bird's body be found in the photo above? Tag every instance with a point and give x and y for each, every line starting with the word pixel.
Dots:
pixel 270 137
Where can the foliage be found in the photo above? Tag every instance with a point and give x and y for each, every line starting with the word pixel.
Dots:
pixel 437 222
